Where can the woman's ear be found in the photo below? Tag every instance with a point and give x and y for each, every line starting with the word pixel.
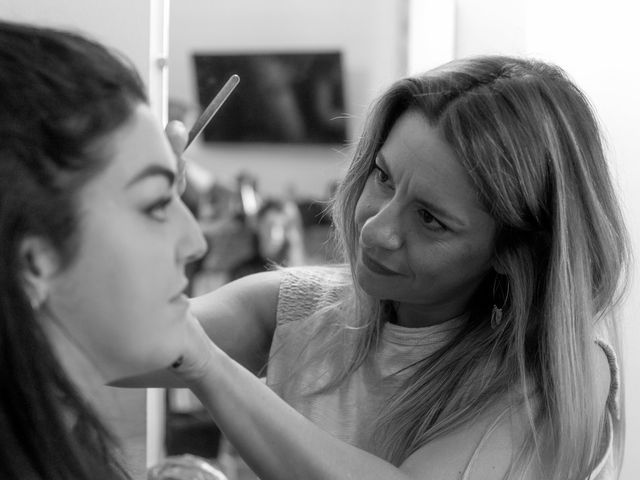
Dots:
pixel 38 264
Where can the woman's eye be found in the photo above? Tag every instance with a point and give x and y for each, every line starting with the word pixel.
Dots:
pixel 381 175
pixel 158 210
pixel 431 221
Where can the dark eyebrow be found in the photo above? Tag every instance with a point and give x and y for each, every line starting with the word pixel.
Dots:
pixel 439 212
pixel 150 171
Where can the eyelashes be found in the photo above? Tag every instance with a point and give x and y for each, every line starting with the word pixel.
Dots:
pixel 426 218
pixel 158 210
pixel 381 175
pixel 429 220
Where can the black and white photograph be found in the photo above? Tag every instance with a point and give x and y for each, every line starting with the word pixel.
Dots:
pixel 319 240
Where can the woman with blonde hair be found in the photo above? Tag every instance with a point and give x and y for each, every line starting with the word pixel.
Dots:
pixel 471 332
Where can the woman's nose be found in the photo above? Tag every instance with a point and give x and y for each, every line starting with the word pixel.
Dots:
pixel 382 230
pixel 192 244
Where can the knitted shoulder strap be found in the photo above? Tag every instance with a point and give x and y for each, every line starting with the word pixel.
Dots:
pixel 613 400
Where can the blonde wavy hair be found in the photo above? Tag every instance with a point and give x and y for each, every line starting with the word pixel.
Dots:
pixel 531 143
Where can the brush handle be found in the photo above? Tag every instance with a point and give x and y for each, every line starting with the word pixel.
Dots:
pixel 213 107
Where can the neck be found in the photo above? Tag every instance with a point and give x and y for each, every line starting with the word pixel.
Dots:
pixel 416 316
pixel 82 372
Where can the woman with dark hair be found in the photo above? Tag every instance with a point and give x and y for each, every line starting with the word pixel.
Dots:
pixel 93 243
pixel 471 333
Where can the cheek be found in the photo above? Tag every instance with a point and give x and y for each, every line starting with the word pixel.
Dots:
pixel 125 266
pixel 123 320
pixel 114 298
pixel 457 261
pixel 472 262
pixel 365 208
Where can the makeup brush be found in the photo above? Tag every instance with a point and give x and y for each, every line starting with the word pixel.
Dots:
pixel 213 107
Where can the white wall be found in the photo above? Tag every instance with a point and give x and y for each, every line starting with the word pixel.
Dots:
pixel 368 32
pixel 95 18
pixel 597 43
pixel 490 26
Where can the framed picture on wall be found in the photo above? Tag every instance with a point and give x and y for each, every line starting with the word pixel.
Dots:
pixel 282 97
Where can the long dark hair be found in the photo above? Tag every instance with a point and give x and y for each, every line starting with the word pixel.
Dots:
pixel 59 93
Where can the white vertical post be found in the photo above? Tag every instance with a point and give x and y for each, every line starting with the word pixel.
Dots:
pixel 158 98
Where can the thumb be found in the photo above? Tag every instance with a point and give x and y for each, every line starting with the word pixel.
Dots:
pixel 177 134
pixel 197 355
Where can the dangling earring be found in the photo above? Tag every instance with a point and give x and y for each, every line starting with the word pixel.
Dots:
pixel 34 304
pixel 496 312
pixel 496 317
pixel 36 300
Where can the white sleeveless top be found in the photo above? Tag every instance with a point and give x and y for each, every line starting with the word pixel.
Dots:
pixel 349 412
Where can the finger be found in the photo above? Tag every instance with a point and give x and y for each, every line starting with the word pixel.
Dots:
pixel 197 353
pixel 178 363
pixel 177 134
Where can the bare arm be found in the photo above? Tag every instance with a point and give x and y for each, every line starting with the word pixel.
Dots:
pixel 275 440
pixel 279 443
pixel 240 317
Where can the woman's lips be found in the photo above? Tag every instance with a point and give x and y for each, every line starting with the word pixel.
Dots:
pixel 180 294
pixel 376 267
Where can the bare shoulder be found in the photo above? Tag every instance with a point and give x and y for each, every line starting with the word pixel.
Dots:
pixel 486 447
pixel 481 449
